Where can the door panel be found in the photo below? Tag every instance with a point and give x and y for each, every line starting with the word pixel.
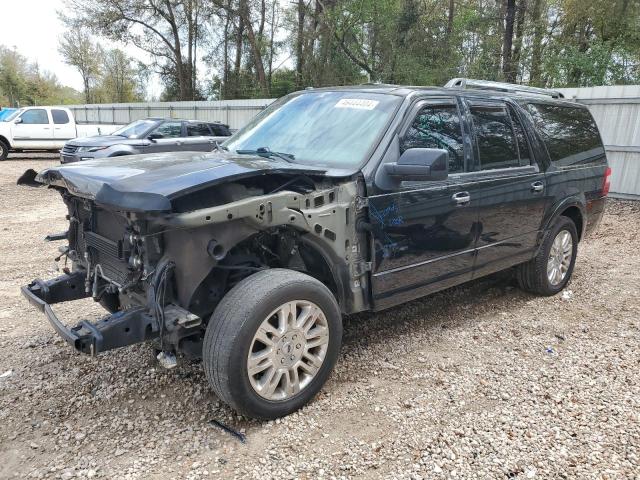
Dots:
pixel 510 188
pixel 424 242
pixel 171 139
pixel 198 137
pixel 63 128
pixel 424 238
pixel 34 131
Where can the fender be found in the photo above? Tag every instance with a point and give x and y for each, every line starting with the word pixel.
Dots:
pixel 578 201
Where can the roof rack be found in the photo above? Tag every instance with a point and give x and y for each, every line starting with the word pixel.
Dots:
pixel 501 87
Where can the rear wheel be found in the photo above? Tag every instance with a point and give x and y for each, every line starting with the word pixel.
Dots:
pixel 550 271
pixel 4 150
pixel 272 342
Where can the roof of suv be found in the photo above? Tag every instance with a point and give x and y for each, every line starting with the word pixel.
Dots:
pixel 161 119
pixel 407 90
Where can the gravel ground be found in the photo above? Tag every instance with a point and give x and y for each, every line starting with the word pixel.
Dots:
pixel 480 381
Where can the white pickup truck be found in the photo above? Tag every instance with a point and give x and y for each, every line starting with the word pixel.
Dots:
pixel 44 128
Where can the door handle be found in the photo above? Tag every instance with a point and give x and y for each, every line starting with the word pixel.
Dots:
pixel 461 198
pixel 537 187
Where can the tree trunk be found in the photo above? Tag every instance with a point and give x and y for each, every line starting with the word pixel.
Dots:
pixel 517 46
pixel 255 48
pixel 507 42
pixel 299 44
pixel 238 61
pixel 225 72
pixel 536 44
pixel 450 17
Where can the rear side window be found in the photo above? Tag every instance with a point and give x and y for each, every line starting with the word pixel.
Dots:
pixel 35 116
pixel 569 133
pixel 198 130
pixel 60 117
pixel 438 126
pixel 495 137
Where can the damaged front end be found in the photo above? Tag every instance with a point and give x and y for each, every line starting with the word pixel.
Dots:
pixel 162 273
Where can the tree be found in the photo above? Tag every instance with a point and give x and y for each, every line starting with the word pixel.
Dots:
pixel 78 50
pixel 168 30
pixel 120 81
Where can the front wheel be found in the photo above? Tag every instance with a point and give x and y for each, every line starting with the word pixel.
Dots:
pixel 272 342
pixel 4 150
pixel 550 271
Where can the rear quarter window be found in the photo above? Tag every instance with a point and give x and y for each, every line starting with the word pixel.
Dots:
pixel 569 133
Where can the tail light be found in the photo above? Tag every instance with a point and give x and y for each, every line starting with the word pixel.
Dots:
pixel 606 184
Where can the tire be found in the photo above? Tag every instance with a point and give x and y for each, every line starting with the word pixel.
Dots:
pixel 533 276
pixel 232 334
pixel 4 150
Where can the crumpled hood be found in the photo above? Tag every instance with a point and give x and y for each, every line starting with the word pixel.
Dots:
pixel 149 182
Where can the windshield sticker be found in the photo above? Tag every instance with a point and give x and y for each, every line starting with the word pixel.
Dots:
pixel 359 103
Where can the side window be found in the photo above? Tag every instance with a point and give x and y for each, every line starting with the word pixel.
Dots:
pixel 169 130
pixel 220 130
pixel 495 138
pixel 35 116
pixel 523 144
pixel 60 117
pixel 198 130
pixel 438 126
pixel 569 133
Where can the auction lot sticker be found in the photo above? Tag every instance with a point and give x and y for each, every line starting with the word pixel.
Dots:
pixel 359 103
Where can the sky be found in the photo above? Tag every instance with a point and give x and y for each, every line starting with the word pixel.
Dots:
pixel 33 27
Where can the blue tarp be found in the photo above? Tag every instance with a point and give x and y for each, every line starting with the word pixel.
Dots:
pixel 5 112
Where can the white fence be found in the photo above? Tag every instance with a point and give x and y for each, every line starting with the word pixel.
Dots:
pixel 617 112
pixel 235 113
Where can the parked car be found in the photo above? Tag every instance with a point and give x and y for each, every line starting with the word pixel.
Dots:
pixel 150 135
pixel 44 128
pixel 330 202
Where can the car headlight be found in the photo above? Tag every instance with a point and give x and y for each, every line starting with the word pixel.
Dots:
pixel 89 149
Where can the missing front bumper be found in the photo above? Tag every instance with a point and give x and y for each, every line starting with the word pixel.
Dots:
pixel 113 331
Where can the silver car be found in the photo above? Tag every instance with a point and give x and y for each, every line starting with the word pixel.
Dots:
pixel 150 135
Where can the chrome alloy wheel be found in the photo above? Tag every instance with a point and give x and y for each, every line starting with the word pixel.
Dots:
pixel 288 350
pixel 559 257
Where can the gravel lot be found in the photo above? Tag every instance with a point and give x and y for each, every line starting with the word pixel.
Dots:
pixel 481 381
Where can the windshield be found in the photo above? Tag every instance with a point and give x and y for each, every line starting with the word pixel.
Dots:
pixel 135 129
pixel 334 129
pixel 13 115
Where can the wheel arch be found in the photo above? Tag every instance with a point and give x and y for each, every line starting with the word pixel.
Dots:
pixel 572 208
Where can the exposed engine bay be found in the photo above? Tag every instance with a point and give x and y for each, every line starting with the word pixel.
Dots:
pixel 161 274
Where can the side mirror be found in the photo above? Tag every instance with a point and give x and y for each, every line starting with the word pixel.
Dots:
pixel 17 120
pixel 155 136
pixel 420 164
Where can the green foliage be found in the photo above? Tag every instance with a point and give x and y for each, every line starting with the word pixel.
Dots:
pixel 23 83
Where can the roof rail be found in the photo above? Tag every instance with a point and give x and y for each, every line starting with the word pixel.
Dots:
pixel 501 87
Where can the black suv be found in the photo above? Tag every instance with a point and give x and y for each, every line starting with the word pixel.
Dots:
pixel 330 202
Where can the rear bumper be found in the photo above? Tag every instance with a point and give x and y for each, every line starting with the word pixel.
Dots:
pixel 113 331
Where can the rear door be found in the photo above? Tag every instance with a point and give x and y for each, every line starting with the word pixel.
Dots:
pixel 510 186
pixel 425 231
pixel 63 128
pixel 199 137
pixel 33 130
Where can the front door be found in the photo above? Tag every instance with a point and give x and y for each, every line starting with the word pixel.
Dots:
pixel 33 130
pixel 166 137
pixel 425 232
pixel 510 187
